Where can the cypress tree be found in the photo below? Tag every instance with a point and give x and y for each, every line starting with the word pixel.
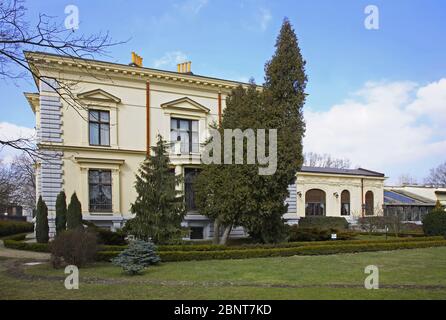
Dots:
pixel 74 213
pixel 42 228
pixel 159 207
pixel 284 97
pixel 61 213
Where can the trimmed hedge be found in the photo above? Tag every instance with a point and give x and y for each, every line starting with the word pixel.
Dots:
pixel 170 256
pixel 338 223
pixel 16 237
pixel 43 247
pixel 20 245
pixel 8 227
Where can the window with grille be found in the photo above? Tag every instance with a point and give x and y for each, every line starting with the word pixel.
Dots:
pixel 100 190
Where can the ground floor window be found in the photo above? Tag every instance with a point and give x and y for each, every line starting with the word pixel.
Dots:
pixel 196 233
pixel 345 203
pixel 369 203
pixel 315 203
pixel 100 190
pixel 189 194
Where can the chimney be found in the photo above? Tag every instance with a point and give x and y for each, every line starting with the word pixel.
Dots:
pixel 184 67
pixel 136 60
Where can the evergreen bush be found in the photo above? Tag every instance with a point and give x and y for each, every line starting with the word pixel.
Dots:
pixel 61 212
pixel 138 256
pixel 42 228
pixel 74 213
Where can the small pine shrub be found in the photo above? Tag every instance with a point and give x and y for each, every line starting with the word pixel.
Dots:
pixel 138 256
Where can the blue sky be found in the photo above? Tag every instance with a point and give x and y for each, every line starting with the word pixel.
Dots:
pixel 349 67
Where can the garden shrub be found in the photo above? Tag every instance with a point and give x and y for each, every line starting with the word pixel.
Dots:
pixel 338 223
pixel 8 228
pixel 297 233
pixel 371 224
pixel 109 237
pixel 434 223
pixel 138 256
pixel 76 247
pixel 105 236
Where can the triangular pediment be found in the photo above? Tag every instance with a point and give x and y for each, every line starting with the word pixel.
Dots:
pixel 185 104
pixel 99 95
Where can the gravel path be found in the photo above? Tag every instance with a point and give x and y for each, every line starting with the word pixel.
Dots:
pixel 20 254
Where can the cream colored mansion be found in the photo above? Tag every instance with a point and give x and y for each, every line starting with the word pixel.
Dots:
pixel 97 135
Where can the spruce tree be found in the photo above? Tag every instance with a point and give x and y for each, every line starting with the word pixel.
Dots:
pixel 42 228
pixel 61 213
pixel 158 207
pixel 74 213
pixel 138 256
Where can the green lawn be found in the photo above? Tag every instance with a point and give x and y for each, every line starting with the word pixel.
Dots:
pixel 404 274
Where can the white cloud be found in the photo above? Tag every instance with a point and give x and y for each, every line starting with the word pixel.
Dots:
pixel 264 18
pixel 10 131
pixel 431 101
pixel 170 59
pixel 383 126
pixel 191 7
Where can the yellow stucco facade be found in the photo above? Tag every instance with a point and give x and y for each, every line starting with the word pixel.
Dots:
pixel 121 91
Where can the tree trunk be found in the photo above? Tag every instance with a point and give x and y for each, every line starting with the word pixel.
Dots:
pixel 216 237
pixel 224 238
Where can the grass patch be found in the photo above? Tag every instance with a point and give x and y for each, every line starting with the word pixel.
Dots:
pixel 246 279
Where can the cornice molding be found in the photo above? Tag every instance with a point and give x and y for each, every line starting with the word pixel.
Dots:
pixel 45 60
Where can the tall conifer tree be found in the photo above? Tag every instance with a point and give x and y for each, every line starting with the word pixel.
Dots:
pixel 74 213
pixel 42 228
pixel 61 213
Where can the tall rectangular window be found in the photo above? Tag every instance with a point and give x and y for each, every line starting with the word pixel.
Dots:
pixel 189 193
pixel 99 127
pixel 185 131
pixel 100 190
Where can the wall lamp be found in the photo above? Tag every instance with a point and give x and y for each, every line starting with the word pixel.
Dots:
pixel 336 195
pixel 299 194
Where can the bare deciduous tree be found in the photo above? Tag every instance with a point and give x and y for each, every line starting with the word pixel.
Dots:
pixel 23 169
pixel 18 35
pixel 18 183
pixel 407 179
pixel 437 176
pixel 325 160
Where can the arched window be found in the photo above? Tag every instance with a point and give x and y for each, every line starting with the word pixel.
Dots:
pixel 369 203
pixel 315 203
pixel 345 203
